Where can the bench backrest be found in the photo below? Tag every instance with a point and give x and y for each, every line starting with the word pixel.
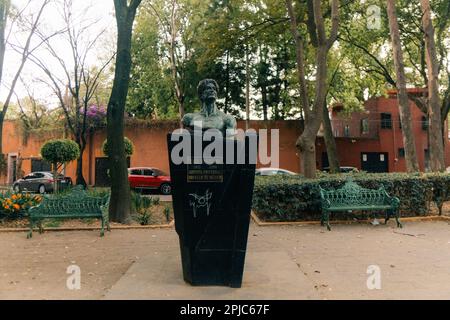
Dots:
pixel 76 202
pixel 353 194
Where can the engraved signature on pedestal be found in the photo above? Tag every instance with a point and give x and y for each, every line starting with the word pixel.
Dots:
pixel 200 202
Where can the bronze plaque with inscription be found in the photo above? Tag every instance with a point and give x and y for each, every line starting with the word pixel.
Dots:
pixel 205 173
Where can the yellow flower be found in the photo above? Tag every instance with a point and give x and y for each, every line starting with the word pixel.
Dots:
pixel 14 197
pixel 16 206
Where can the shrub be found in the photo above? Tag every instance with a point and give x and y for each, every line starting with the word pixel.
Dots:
pixel 142 206
pixel 156 201
pixel 293 198
pixel 129 147
pixel 59 152
pixel 167 213
pixel 15 204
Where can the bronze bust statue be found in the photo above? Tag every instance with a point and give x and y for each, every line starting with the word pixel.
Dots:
pixel 210 116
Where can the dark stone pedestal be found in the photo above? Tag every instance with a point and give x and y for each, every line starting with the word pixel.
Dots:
pixel 212 204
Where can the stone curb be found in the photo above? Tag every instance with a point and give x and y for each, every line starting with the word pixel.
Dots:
pixel 161 226
pixel 294 223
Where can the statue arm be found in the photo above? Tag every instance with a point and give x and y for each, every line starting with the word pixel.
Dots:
pixel 230 126
pixel 230 122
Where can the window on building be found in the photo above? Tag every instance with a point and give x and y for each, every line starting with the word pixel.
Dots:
pixel 399 122
pixel 347 131
pixel 386 121
pixel 364 126
pixel 424 123
pixel 401 152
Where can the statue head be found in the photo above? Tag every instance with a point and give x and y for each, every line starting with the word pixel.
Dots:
pixel 207 90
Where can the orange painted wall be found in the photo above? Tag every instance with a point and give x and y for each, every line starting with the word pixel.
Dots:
pixel 150 146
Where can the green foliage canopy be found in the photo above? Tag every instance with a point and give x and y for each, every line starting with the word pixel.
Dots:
pixel 60 151
pixel 129 147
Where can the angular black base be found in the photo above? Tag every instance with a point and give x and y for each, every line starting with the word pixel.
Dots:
pixel 213 237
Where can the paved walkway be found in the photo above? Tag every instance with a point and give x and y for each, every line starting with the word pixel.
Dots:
pixel 290 262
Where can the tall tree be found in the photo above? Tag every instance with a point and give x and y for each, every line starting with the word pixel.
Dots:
pixel 120 203
pixel 25 50
pixel 313 112
pixel 437 160
pixel 412 164
pixel 80 79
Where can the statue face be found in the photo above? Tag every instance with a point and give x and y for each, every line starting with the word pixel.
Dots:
pixel 209 93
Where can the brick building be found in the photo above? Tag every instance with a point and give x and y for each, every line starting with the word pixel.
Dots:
pixel 372 140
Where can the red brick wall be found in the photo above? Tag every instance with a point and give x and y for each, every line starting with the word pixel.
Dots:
pixel 389 140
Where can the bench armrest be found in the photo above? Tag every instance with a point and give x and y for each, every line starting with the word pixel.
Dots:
pixel 325 203
pixel 33 208
pixel 392 200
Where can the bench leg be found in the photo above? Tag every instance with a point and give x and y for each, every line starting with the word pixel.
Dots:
pixel 387 216
pixel 105 218
pixel 41 229
pixel 397 218
pixel 30 233
pixel 326 219
pixel 102 232
pixel 108 227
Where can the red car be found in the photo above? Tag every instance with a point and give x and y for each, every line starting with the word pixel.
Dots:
pixel 149 178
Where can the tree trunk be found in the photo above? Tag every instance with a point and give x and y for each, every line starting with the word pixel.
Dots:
pixel 264 101
pixel 2 120
pixel 330 142
pixel 313 116
pixel 437 161
pixel 227 83
pixel 55 178
pixel 247 89
pixel 79 172
pixel 412 164
pixel 306 145
pixel 120 202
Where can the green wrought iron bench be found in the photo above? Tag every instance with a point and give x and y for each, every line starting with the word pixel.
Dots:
pixel 75 204
pixel 352 197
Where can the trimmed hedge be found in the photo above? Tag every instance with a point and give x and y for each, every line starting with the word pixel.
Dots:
pixel 290 198
pixel 129 147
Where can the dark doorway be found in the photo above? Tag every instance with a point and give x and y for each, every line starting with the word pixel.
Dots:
pixel 375 161
pixel 325 163
pixel 13 168
pixel 102 172
pixel 40 165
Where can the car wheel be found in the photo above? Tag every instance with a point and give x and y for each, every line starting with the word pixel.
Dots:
pixel 16 188
pixel 166 189
pixel 41 189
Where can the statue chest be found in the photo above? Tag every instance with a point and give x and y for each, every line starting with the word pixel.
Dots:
pixel 214 121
